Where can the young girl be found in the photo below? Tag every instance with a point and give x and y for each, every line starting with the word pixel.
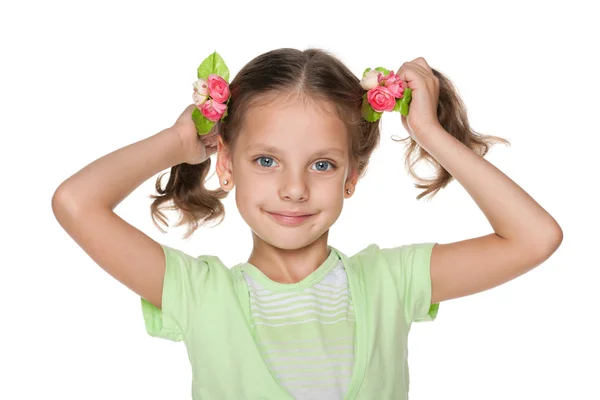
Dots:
pixel 300 319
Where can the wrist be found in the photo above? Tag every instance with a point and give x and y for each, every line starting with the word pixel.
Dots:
pixel 172 146
pixel 424 135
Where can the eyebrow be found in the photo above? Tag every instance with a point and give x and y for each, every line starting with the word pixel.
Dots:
pixel 275 150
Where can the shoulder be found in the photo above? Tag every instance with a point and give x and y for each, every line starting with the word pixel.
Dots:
pixel 374 255
pixel 194 264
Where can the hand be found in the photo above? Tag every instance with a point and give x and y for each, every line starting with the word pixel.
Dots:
pixel 196 148
pixel 422 113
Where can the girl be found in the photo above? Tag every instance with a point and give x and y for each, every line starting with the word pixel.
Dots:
pixel 300 319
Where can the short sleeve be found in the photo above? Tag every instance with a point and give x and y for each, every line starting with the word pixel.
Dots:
pixel 184 284
pixel 411 268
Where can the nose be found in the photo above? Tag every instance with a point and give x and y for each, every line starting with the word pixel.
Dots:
pixel 294 186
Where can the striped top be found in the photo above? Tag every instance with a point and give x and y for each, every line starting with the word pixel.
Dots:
pixel 305 330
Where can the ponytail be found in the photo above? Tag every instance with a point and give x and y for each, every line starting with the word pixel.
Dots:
pixel 188 194
pixel 452 114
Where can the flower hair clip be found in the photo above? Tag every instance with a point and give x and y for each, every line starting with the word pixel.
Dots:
pixel 385 92
pixel 211 93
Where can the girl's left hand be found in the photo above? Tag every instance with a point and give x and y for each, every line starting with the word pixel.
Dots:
pixel 422 113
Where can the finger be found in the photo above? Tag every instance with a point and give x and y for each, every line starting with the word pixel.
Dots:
pixel 420 61
pixel 416 72
pixel 189 109
pixel 410 74
pixel 426 74
pixel 403 74
pixel 423 66
pixel 185 112
pixel 422 70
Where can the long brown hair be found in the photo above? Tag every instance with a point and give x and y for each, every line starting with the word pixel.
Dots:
pixel 311 74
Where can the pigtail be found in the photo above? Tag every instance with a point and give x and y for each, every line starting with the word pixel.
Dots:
pixel 188 194
pixel 452 115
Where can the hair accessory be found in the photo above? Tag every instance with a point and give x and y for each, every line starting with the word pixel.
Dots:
pixel 385 92
pixel 211 93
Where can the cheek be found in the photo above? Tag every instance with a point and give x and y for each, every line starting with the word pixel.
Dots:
pixel 253 186
pixel 327 190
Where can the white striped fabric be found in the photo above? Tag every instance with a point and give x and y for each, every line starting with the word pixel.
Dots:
pixel 306 335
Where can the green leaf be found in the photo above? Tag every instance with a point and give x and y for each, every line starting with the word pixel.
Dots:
pixel 366 70
pixel 403 104
pixel 213 64
pixel 203 125
pixel 382 70
pixel 226 111
pixel 367 111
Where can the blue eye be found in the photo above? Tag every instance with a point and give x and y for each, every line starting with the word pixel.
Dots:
pixel 268 161
pixel 323 164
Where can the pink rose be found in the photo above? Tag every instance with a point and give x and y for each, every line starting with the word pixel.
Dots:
pixel 381 99
pixel 218 88
pixel 213 110
pixel 393 83
pixel 396 89
pixel 391 77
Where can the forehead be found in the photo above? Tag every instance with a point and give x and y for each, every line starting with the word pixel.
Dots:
pixel 294 123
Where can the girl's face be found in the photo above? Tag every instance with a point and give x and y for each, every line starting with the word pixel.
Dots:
pixel 291 159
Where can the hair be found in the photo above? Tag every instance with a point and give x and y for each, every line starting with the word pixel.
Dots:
pixel 312 74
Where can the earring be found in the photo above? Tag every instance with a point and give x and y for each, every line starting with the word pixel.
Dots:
pixel 225 181
pixel 348 191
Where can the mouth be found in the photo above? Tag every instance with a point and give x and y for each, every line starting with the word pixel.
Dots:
pixel 290 219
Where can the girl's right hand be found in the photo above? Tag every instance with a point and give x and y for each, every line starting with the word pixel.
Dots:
pixel 196 148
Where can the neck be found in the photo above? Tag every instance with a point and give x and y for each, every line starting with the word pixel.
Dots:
pixel 288 266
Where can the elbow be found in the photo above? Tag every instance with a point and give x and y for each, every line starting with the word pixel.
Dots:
pixel 556 238
pixel 547 243
pixel 62 203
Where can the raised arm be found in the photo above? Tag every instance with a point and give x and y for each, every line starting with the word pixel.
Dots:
pixel 525 234
pixel 84 203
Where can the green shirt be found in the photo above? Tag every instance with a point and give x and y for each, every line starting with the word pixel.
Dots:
pixel 207 306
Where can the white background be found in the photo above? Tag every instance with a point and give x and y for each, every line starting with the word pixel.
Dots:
pixel 81 79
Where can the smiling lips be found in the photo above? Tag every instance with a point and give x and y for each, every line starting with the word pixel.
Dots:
pixel 290 218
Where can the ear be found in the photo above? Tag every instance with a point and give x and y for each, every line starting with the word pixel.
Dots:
pixel 224 165
pixel 351 181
